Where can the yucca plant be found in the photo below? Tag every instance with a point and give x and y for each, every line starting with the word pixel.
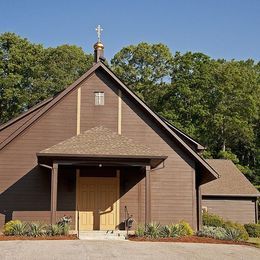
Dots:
pixel 55 230
pixel 36 229
pixel 19 229
pixel 165 231
pixel 153 230
pixel 232 234
pixel 140 231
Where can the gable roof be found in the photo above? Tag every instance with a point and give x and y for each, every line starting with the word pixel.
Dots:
pixel 232 182
pixel 100 65
pixel 103 143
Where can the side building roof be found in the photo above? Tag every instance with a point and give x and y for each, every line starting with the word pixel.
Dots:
pixel 231 182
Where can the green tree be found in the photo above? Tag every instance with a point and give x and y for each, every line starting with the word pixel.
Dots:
pixel 19 63
pixel 30 73
pixel 145 68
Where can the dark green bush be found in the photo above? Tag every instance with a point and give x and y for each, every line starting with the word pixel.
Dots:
pixel 212 220
pixel 252 229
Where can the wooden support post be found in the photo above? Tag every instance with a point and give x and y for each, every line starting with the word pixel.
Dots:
pixel 199 198
pixel 54 189
pixel 256 210
pixel 147 195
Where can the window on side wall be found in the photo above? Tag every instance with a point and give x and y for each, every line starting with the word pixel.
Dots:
pixel 99 98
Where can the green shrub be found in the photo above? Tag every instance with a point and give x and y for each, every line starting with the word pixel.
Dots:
pixel 213 232
pixel 36 229
pixel 212 220
pixel 153 230
pixel 185 228
pixel 8 227
pixel 252 229
pixel 15 228
pixel 140 231
pixel 242 233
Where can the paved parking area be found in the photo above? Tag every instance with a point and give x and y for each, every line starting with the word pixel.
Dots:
pixel 88 250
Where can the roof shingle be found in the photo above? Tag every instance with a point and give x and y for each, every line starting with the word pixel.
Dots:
pixel 100 141
pixel 231 181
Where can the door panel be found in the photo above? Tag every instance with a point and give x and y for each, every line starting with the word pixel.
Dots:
pixel 98 203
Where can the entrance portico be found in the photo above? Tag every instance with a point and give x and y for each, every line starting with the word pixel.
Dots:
pixel 101 159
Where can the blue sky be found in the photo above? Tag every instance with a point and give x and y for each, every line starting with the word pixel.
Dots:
pixel 219 28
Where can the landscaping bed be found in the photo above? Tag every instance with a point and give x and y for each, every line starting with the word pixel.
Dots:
pixel 64 237
pixel 188 239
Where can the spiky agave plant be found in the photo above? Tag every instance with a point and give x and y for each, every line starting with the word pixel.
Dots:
pixel 19 229
pixel 153 230
pixel 36 229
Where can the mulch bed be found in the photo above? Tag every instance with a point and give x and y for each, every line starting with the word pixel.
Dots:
pixel 189 239
pixel 8 238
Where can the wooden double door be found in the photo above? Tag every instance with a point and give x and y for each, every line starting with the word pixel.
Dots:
pixel 98 203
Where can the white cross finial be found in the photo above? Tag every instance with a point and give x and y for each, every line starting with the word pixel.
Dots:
pixel 99 30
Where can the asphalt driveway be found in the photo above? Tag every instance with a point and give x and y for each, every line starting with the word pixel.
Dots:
pixel 88 250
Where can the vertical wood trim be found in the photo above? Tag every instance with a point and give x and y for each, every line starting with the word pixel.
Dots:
pixel 119 122
pixel 118 198
pixel 54 189
pixel 139 203
pixel 256 211
pixel 147 195
pixel 194 199
pixel 78 110
pixel 77 198
pixel 199 198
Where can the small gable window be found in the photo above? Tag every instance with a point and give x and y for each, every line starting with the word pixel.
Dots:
pixel 99 98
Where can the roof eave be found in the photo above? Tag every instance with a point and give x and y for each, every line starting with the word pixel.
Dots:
pixel 231 195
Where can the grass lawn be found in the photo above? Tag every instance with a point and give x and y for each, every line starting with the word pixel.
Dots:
pixel 255 240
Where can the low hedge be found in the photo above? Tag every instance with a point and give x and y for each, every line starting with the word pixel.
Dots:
pixel 252 229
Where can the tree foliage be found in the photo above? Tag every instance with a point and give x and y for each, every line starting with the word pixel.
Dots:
pixel 30 73
pixel 214 101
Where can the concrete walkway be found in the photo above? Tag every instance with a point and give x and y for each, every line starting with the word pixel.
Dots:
pixel 88 250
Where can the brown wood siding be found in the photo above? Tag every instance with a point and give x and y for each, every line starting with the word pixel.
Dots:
pixel 24 186
pixel 240 210
pixel 16 125
pixel 91 115
pixel 132 194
